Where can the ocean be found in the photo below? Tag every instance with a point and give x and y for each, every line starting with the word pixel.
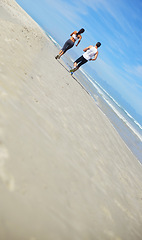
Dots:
pixel 127 127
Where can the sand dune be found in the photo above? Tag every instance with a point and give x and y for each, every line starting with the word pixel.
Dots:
pixel 65 173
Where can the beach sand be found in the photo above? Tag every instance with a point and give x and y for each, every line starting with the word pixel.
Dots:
pixel 65 173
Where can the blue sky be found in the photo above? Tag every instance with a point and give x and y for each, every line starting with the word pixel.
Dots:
pixel 117 25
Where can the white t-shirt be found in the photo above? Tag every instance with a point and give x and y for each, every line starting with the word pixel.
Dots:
pixel 90 53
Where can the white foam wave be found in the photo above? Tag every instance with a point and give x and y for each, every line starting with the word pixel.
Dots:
pixel 53 40
pixel 116 108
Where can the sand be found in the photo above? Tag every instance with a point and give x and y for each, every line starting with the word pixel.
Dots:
pixel 65 173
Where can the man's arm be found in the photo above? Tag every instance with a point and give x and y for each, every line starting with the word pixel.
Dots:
pixel 93 59
pixel 85 49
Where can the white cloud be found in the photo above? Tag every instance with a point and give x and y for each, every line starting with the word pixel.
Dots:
pixel 118 10
pixel 135 70
pixel 70 10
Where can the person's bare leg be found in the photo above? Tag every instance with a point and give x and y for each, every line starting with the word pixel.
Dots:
pixel 60 54
pixel 75 64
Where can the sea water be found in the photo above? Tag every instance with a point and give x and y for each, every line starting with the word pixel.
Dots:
pixel 127 127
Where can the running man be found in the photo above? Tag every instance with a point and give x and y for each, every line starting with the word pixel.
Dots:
pixel 90 54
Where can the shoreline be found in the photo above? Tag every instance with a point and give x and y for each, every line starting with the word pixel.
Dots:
pixel 115 120
pixel 65 172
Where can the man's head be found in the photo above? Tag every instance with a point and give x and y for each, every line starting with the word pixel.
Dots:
pixel 98 44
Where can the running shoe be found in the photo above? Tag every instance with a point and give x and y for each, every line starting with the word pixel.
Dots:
pixel 57 57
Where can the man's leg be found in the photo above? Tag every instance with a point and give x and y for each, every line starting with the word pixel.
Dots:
pixel 74 69
pixel 78 63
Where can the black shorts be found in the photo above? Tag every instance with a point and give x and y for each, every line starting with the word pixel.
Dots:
pixel 81 60
pixel 68 44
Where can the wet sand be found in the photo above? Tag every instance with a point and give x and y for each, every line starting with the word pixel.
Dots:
pixel 65 173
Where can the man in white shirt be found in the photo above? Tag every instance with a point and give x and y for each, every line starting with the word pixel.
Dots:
pixel 90 54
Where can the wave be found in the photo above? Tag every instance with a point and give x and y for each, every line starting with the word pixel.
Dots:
pixel 117 108
pixel 53 40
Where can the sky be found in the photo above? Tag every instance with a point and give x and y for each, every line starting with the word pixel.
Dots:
pixel 117 25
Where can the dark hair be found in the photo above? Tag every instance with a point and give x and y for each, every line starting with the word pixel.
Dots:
pixel 98 44
pixel 82 30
